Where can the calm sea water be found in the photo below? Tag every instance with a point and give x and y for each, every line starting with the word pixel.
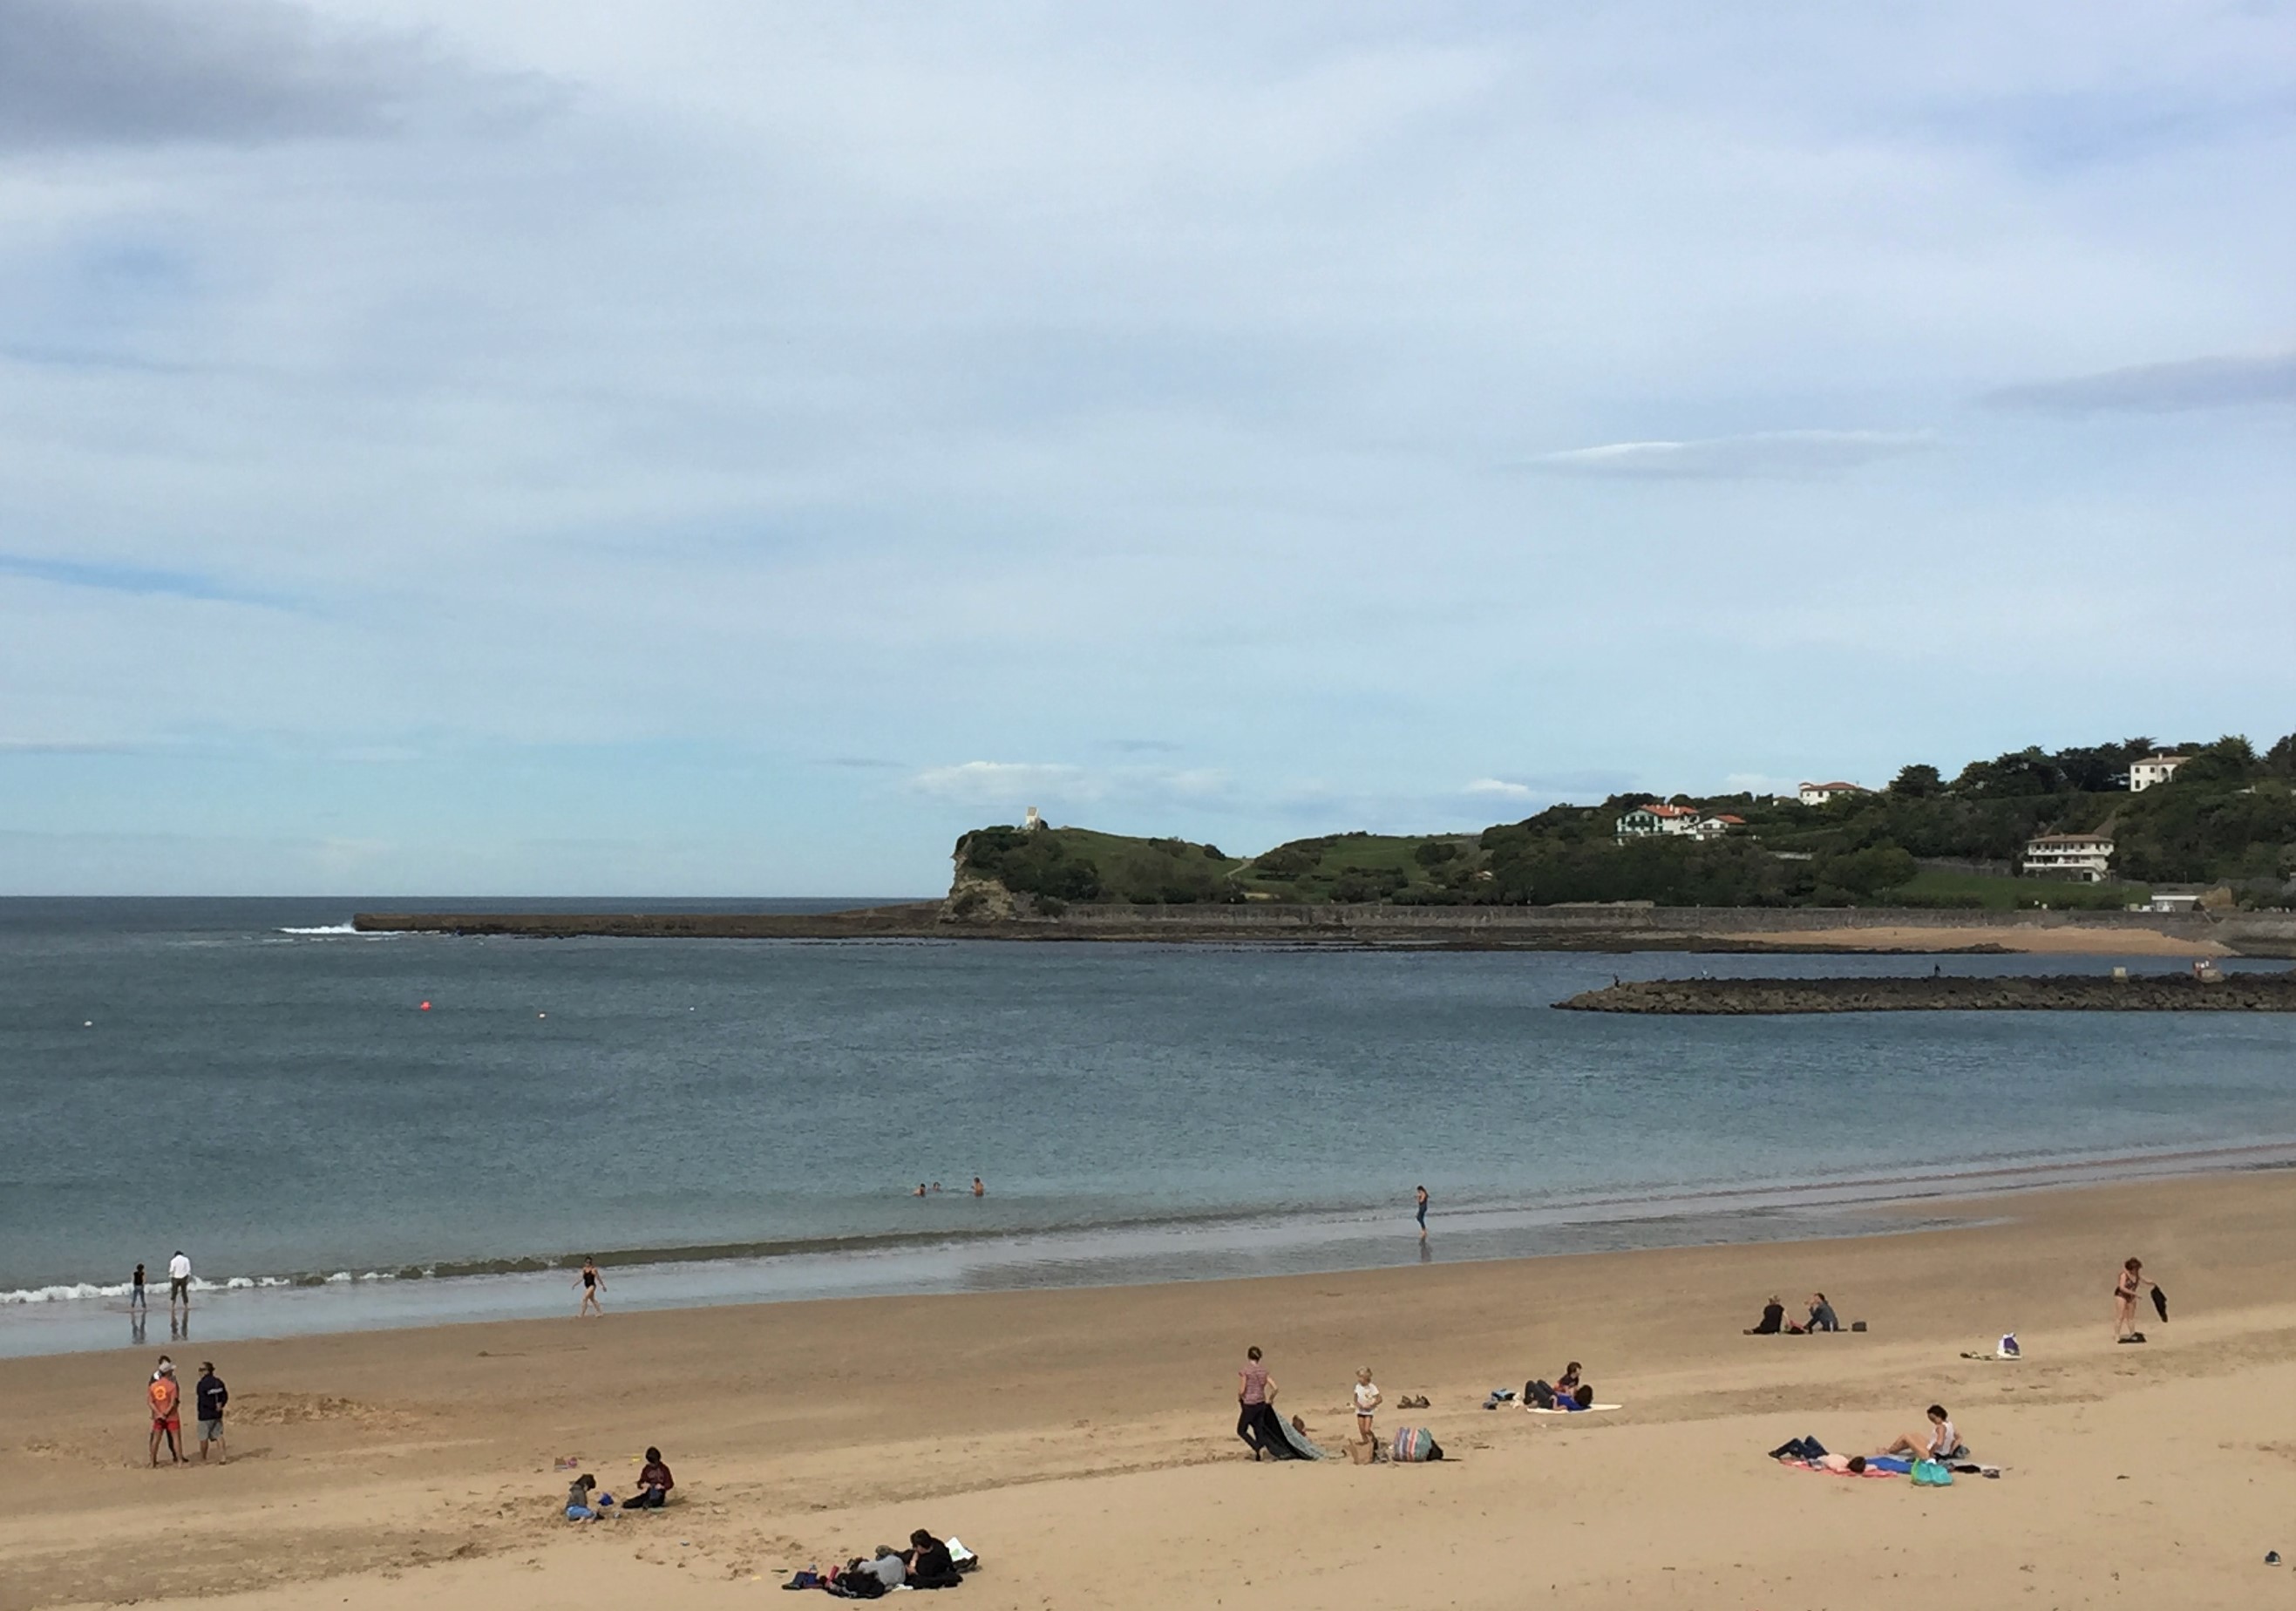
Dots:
pixel 728 1120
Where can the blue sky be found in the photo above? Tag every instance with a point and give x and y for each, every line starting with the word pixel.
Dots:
pixel 717 448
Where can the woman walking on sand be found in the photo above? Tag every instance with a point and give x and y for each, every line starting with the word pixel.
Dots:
pixel 2124 1301
pixel 592 1284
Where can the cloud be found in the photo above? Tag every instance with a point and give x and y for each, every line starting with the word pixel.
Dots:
pixel 998 782
pixel 127 578
pixel 2209 383
pixel 1499 789
pixel 129 72
pixel 862 763
pixel 1786 453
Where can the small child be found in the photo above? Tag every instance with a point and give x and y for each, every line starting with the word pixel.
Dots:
pixel 578 1508
pixel 1367 1402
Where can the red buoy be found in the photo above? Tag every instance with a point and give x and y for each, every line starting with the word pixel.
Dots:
pixel 426 1007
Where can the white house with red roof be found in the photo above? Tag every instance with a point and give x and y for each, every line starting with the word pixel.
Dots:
pixel 1658 818
pixel 1818 794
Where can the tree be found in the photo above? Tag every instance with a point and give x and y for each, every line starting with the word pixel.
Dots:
pixel 2231 760
pixel 1917 782
pixel 1868 872
pixel 2280 760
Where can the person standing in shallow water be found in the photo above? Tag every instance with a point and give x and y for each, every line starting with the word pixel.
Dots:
pixel 592 1284
pixel 1422 1194
pixel 135 1293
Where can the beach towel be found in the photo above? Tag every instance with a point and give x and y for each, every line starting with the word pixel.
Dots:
pixel 2160 1302
pixel 1574 1410
pixel 1302 1447
pixel 1415 1444
pixel 1871 1469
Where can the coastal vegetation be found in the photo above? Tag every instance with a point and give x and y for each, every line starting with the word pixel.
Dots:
pixel 2227 821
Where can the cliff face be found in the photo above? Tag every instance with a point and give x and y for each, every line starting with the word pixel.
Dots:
pixel 2069 993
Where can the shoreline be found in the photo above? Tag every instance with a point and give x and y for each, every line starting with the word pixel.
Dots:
pixel 1163 1252
pixel 1056 1429
pixel 1855 929
pixel 2238 992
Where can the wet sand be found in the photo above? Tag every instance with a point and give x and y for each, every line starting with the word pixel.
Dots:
pixel 1080 1440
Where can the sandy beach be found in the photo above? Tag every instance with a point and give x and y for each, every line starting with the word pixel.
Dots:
pixel 1080 1440
pixel 2067 940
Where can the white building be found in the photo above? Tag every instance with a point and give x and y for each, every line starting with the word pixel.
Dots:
pixel 1657 818
pixel 2084 858
pixel 1032 821
pixel 2154 768
pixel 1714 828
pixel 1818 794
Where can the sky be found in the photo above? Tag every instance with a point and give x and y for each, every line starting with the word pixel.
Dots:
pixel 716 448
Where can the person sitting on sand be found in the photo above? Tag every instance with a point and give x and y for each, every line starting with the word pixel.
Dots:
pixel 578 1499
pixel 1568 1382
pixel 654 1483
pixel 1822 1317
pixel 929 1564
pixel 1773 1320
pixel 1941 1444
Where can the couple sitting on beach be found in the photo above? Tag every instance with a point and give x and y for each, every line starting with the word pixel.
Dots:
pixel 1773 1318
pixel 928 1563
pixel 1941 1444
pixel 1566 1392
pixel 585 1503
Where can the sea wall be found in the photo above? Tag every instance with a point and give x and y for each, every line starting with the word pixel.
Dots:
pixel 2074 993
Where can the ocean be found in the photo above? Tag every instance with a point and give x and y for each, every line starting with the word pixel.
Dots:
pixel 726 1120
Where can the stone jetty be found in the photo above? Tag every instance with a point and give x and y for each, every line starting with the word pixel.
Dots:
pixel 2239 993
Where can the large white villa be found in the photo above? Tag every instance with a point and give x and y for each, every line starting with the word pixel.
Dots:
pixel 2154 768
pixel 2084 858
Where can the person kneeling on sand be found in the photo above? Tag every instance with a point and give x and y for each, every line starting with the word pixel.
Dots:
pixel 930 1563
pixel 1943 1442
pixel 578 1508
pixel 654 1483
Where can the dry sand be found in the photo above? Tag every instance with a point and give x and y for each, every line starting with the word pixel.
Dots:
pixel 1080 1440
pixel 2068 941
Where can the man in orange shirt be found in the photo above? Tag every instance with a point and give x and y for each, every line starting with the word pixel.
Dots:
pixel 167 1417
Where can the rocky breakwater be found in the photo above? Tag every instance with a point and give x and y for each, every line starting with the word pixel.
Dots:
pixel 2046 993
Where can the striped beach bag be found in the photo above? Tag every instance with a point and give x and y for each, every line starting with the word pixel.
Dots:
pixel 1414 1444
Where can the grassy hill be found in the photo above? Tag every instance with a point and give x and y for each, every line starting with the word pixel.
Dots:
pixel 2227 818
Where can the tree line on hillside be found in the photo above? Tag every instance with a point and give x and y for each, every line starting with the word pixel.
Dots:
pixel 2228 816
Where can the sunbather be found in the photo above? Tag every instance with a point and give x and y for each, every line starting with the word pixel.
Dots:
pixel 1942 1442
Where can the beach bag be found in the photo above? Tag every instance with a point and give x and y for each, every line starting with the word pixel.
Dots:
pixel 1415 1445
pixel 1362 1452
pixel 1932 1474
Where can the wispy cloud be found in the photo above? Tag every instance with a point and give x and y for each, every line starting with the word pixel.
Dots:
pixel 1498 788
pixel 1784 454
pixel 862 763
pixel 998 782
pixel 129 579
pixel 2228 381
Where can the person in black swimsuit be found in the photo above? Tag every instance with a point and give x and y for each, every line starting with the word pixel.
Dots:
pixel 592 1283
